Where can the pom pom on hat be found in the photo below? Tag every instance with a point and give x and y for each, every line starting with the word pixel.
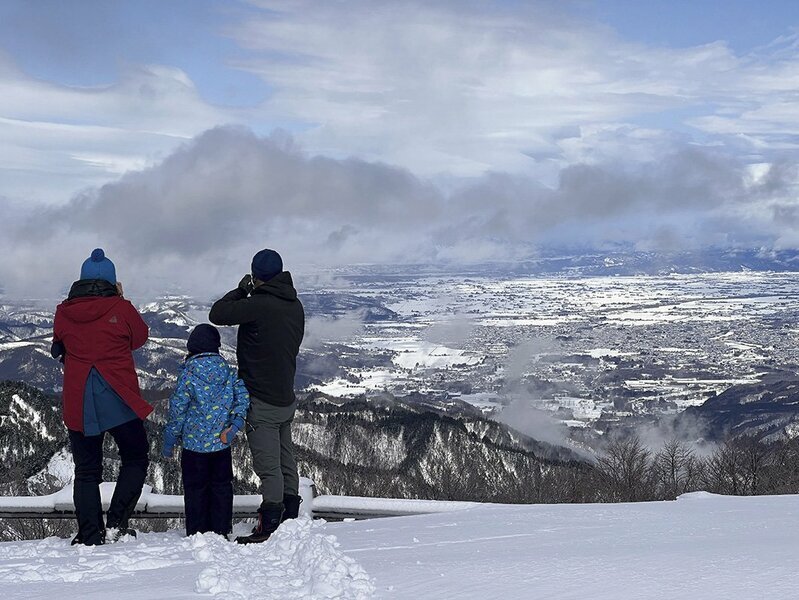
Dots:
pixel 97 266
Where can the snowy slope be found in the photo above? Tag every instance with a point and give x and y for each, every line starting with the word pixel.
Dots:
pixel 699 547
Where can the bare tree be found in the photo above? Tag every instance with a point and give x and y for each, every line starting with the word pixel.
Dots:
pixel 624 472
pixel 781 475
pixel 724 472
pixel 755 457
pixel 675 470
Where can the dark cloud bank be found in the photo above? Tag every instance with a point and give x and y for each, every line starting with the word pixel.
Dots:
pixel 191 222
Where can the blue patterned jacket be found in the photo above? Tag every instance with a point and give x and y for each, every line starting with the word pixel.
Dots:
pixel 208 399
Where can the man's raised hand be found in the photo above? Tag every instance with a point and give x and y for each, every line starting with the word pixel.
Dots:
pixel 246 284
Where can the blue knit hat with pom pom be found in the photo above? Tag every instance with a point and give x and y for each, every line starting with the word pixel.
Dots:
pixel 97 266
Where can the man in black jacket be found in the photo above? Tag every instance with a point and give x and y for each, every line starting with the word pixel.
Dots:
pixel 271 326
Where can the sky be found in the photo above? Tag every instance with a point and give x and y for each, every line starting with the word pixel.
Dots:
pixel 183 136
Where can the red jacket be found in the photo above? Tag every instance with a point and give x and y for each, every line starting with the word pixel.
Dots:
pixel 100 332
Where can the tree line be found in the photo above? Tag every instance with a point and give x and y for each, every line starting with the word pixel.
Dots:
pixel 629 471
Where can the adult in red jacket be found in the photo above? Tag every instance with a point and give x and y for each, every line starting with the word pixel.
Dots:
pixel 95 333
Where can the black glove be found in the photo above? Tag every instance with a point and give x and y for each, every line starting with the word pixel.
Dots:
pixel 58 350
pixel 246 285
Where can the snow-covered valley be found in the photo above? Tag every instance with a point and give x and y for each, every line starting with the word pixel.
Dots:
pixel 591 352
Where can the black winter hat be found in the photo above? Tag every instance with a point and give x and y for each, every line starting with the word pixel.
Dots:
pixel 266 264
pixel 204 338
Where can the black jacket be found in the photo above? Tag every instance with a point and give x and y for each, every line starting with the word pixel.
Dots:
pixel 272 323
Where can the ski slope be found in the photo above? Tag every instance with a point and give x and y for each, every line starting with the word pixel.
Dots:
pixel 700 547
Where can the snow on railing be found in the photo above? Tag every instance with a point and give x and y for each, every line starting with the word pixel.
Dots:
pixel 59 505
pixel 150 505
pixel 357 507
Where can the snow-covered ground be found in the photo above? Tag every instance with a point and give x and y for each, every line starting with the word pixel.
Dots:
pixel 700 547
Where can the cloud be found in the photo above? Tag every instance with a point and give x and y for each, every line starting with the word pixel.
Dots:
pixel 521 394
pixel 448 90
pixel 322 330
pixel 467 88
pixel 441 87
pixel 197 217
pixel 522 416
pixel 58 139
pixel 192 221
pixel 522 356
pixel 687 429
pixel 687 194
pixel 229 183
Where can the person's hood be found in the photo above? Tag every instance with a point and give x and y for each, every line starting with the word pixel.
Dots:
pixel 281 285
pixel 89 300
pixel 210 368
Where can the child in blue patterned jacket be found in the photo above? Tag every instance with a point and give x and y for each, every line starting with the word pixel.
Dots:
pixel 206 411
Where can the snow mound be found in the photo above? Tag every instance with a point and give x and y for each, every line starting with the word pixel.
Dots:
pixel 698 496
pixel 297 562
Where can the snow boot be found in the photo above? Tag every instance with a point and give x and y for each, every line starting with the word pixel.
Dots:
pixel 269 518
pixel 78 540
pixel 292 505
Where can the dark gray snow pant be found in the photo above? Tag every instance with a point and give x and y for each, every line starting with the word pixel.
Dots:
pixel 269 437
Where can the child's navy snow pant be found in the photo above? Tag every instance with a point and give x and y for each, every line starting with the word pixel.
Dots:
pixel 208 491
pixel 87 452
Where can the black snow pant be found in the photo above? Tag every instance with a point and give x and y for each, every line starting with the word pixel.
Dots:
pixel 87 452
pixel 208 491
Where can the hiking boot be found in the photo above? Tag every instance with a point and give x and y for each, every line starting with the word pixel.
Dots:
pixel 269 518
pixel 292 507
